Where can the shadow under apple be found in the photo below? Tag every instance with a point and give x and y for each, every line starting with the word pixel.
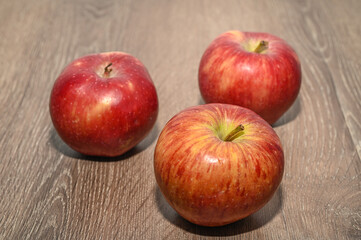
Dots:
pixel 201 101
pixel 248 224
pixel 290 115
pixel 62 147
pixel 287 117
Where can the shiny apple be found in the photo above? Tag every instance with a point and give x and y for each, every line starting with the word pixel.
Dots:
pixel 218 163
pixel 104 104
pixel 258 71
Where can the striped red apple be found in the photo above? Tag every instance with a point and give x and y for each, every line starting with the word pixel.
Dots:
pixel 218 163
pixel 258 71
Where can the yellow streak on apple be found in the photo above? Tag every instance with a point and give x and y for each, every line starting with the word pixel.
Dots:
pixel 236 35
pixel 229 76
pixel 98 109
pixel 212 59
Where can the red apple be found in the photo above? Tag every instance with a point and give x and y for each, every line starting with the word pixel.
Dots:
pixel 104 104
pixel 258 71
pixel 218 163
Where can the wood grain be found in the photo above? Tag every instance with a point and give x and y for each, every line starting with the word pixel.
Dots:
pixel 48 191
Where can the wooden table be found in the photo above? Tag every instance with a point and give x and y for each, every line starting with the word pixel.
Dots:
pixel 48 191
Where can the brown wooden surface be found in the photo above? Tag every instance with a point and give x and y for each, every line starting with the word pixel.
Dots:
pixel 48 191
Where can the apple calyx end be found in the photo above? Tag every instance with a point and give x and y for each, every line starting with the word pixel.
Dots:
pixel 234 133
pixel 262 46
pixel 108 70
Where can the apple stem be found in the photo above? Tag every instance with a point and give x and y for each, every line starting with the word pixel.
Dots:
pixel 263 45
pixel 107 70
pixel 234 134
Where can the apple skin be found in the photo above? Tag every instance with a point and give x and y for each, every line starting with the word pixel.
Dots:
pixel 104 112
pixel 212 182
pixel 232 72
